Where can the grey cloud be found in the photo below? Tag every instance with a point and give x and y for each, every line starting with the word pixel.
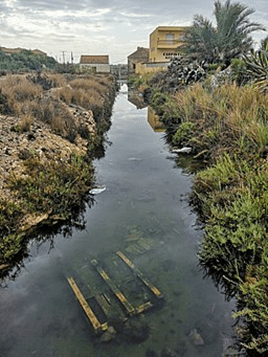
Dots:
pixel 169 9
pixel 126 22
pixel 41 5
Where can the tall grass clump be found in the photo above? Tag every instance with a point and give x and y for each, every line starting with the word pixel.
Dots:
pixel 18 90
pixel 227 129
pixel 46 97
pixel 88 84
pixel 232 197
pixel 230 118
pixel 51 185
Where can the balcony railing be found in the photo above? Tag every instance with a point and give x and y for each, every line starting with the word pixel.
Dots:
pixel 167 43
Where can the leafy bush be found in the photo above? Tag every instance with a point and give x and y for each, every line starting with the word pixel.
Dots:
pixel 183 133
pixel 26 61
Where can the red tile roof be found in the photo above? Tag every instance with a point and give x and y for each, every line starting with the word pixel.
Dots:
pixel 102 59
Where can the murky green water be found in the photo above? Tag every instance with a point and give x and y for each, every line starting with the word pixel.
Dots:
pixel 141 213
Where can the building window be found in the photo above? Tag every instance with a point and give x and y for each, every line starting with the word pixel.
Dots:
pixel 169 38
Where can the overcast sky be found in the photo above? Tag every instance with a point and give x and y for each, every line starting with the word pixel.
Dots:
pixel 113 27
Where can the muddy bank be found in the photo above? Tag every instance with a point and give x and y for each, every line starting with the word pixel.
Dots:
pixel 51 128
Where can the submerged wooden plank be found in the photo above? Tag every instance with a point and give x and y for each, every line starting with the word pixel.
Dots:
pixel 121 297
pixel 90 314
pixel 143 307
pixel 102 301
pixel 140 275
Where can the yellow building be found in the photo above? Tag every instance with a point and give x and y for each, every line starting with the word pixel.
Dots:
pixel 164 43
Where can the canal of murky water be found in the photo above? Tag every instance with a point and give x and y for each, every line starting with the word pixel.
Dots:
pixel 144 214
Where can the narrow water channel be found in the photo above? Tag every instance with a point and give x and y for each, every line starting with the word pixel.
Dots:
pixel 143 214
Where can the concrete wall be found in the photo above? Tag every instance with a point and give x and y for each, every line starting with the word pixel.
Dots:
pixel 164 43
pixel 142 68
pixel 100 68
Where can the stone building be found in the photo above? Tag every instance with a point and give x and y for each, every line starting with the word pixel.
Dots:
pixel 139 56
pixel 99 63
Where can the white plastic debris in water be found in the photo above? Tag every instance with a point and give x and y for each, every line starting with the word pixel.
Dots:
pixel 124 88
pixel 184 150
pixel 97 190
pixel 133 159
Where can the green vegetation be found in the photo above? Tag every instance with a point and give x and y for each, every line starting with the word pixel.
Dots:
pixel 51 184
pixel 25 61
pixel 230 37
pixel 140 83
pixel 50 189
pixel 257 68
pixel 224 119
pixel 233 197
pixel 227 128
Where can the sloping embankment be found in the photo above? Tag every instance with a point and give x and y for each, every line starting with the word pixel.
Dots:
pixel 50 127
pixel 226 129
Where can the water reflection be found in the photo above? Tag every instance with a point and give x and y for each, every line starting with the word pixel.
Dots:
pixel 46 233
pixel 142 214
pixel 136 99
pixel 154 121
pixel 152 118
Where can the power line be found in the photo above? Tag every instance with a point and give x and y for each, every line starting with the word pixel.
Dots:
pixel 120 60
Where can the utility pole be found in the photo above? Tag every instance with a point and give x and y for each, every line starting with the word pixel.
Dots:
pixel 63 57
pixel 72 58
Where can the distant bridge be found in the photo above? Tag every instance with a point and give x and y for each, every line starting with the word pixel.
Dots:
pixel 122 81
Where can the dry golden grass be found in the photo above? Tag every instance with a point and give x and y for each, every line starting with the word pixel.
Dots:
pixel 105 80
pixel 27 99
pixel 25 122
pixel 88 84
pixel 65 94
pixel 230 115
pixel 19 89
pixel 58 80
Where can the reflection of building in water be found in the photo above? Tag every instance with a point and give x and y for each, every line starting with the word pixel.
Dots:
pixel 134 98
pixel 153 120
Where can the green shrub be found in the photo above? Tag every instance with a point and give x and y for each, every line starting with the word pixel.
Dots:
pixel 183 133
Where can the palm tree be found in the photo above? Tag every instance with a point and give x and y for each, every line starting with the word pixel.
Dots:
pixel 200 39
pixel 264 44
pixel 228 39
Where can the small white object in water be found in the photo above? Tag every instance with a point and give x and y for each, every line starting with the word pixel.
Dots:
pixel 124 88
pixel 133 159
pixel 98 190
pixel 184 150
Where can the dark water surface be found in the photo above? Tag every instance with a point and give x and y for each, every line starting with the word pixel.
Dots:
pixel 142 213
